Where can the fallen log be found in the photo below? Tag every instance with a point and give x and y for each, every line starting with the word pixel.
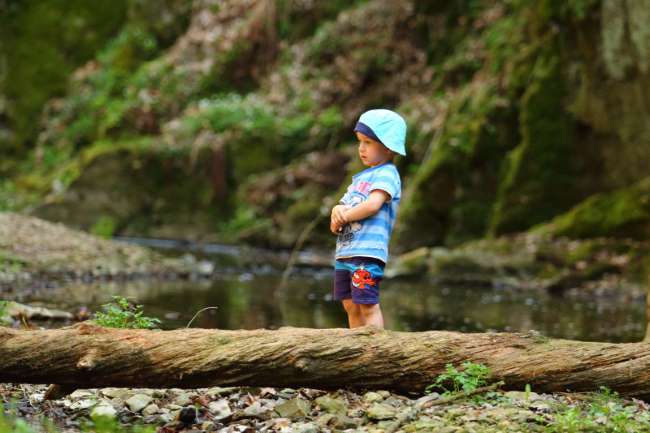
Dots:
pixel 90 356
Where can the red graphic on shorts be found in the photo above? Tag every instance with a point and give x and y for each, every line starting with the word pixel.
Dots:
pixel 361 277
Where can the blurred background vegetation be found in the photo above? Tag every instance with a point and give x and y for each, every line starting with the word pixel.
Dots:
pixel 230 121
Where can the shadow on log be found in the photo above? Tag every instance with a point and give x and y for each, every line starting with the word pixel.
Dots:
pixel 90 356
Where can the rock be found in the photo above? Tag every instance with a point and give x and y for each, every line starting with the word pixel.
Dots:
pixel 218 391
pixel 304 427
pixel 16 310
pixel 150 409
pixel 450 429
pixel 187 415
pixel 104 410
pixel 427 398
pixel 380 411
pixel 413 263
pixel 165 415
pixel 219 409
pixel 279 423
pixel 205 267
pixel 295 408
pixel 332 405
pixel 330 420
pixel 138 402
pixel 183 399
pixel 521 395
pixel 120 393
pixel 372 397
pixel 257 410
pixel 540 406
pixel 81 404
pixel 81 393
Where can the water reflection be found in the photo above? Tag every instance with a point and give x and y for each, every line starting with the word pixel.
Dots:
pixel 250 301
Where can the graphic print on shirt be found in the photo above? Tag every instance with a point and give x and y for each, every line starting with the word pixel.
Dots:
pixel 347 233
pixel 361 278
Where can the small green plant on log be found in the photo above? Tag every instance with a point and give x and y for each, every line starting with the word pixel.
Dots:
pixel 123 314
pixel 471 377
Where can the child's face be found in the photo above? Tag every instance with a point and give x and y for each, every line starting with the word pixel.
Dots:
pixel 372 152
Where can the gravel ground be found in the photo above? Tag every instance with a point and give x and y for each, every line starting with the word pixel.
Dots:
pixel 305 410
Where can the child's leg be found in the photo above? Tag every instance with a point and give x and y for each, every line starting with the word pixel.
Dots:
pixel 371 315
pixel 355 319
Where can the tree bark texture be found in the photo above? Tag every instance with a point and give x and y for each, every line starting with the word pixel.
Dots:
pixel 364 358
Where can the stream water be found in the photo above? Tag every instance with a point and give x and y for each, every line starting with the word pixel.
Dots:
pixel 249 297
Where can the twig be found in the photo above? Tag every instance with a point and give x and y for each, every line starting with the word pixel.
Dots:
pixel 199 312
pixel 296 249
pixel 414 413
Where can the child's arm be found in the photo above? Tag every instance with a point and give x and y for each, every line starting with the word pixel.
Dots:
pixel 336 219
pixel 368 208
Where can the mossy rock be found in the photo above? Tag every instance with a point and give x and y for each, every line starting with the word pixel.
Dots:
pixel 152 192
pixel 538 179
pixel 622 213
pixel 448 199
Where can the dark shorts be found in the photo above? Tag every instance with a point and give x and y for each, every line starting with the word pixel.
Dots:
pixel 358 278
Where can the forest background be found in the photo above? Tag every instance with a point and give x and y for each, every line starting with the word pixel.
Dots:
pixel 230 121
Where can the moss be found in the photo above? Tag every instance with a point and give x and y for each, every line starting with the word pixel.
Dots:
pixel 104 227
pixel 219 340
pixel 448 198
pixel 622 213
pixel 538 179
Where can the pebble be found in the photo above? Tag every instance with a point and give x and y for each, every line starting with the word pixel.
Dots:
pixel 151 409
pixel 372 397
pixel 138 402
pixel 219 409
pixel 253 410
pixel 103 410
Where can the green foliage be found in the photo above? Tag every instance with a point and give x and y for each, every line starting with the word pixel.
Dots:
pixel 42 43
pixel 606 412
pixel 99 103
pixel 123 314
pixel 244 220
pixel 259 138
pixel 9 423
pixel 104 227
pixel 624 213
pixel 471 377
pixel 3 310
pixel 102 424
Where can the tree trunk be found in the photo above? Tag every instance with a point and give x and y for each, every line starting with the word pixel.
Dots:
pixel 90 356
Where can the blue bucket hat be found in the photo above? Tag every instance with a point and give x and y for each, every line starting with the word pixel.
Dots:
pixel 384 126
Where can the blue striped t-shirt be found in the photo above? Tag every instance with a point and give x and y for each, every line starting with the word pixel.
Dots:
pixel 369 237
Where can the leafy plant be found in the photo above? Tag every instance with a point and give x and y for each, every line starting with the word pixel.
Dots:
pixel 104 227
pixel 123 314
pixel 471 377
pixel 4 317
pixel 606 413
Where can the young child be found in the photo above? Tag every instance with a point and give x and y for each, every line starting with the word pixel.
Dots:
pixel 364 218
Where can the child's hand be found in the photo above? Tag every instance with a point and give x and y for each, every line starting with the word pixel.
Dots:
pixel 338 215
pixel 334 228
